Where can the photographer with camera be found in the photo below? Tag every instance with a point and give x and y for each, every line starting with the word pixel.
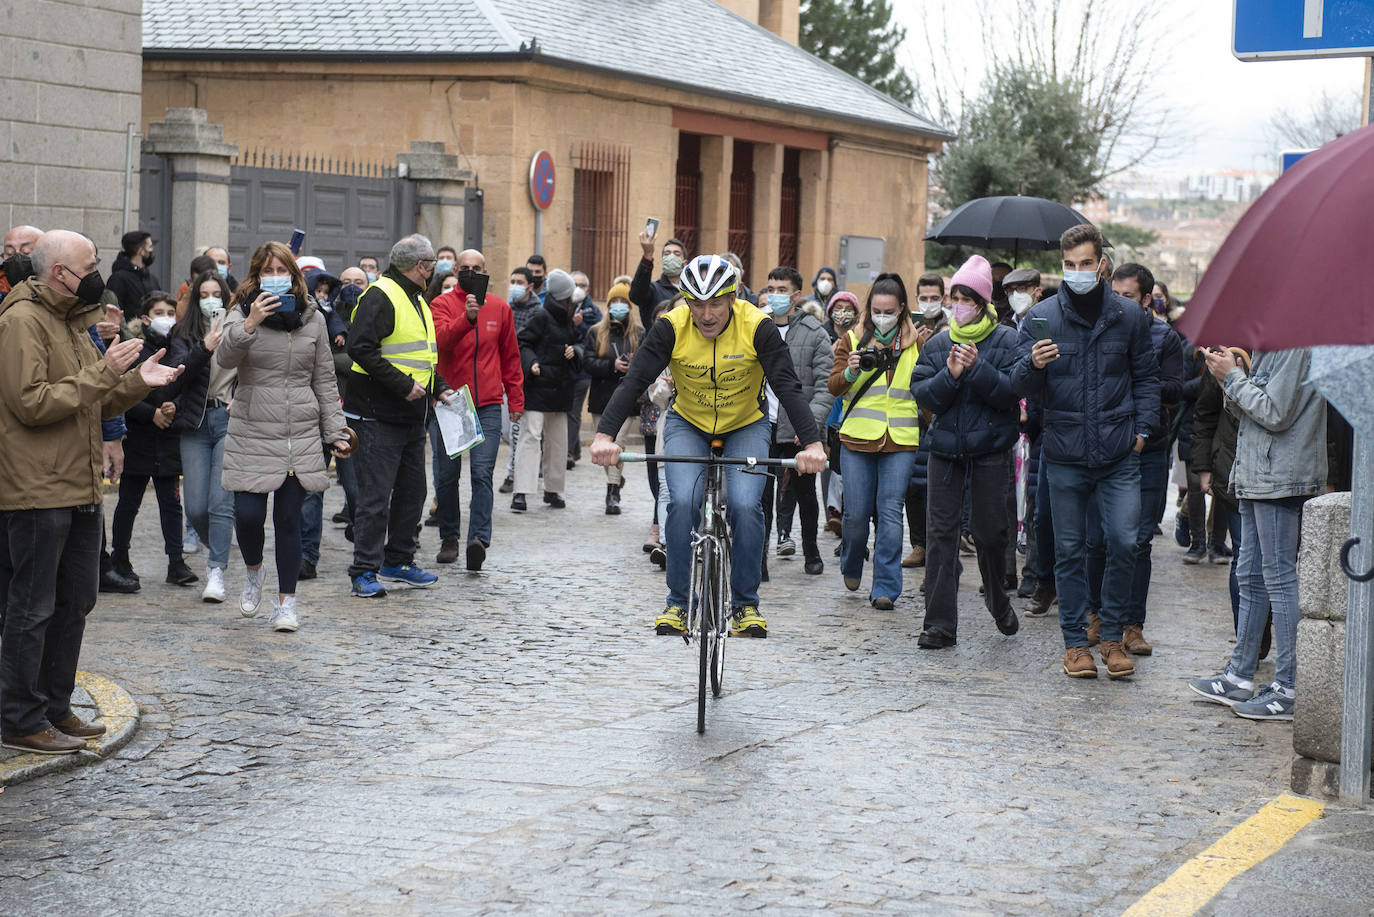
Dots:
pixel 878 434
pixel 963 377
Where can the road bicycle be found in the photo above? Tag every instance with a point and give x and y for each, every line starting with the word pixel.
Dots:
pixel 708 612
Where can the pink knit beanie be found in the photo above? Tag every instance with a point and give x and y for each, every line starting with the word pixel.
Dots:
pixel 976 274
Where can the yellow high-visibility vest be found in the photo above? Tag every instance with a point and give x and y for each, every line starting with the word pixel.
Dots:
pixel 884 408
pixel 411 346
pixel 719 381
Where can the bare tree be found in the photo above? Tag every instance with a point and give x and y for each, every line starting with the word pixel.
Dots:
pixel 1327 117
pixel 1106 53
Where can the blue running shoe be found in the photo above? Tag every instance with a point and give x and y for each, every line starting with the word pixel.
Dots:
pixel 409 574
pixel 1269 704
pixel 1220 689
pixel 367 587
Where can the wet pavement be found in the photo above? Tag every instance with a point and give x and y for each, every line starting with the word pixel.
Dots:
pixel 520 740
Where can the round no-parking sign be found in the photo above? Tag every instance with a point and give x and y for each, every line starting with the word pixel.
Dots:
pixel 542 179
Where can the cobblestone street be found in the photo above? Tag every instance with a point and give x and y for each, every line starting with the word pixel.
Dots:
pixel 520 740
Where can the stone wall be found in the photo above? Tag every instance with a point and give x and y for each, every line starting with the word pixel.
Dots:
pixel 73 86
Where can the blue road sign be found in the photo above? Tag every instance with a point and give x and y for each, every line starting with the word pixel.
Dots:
pixel 1291 29
pixel 1289 158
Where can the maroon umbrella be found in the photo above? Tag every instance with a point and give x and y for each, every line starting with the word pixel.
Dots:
pixel 1295 270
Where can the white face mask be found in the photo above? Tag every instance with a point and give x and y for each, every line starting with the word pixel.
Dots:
pixel 932 310
pixel 824 286
pixel 578 295
pixel 162 325
pixel 1020 302
pixel 884 322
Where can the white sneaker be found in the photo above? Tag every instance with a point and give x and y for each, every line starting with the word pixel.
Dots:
pixel 284 615
pixel 191 544
pixel 252 592
pixel 786 547
pixel 214 585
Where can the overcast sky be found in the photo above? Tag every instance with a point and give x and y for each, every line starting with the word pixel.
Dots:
pixel 1223 103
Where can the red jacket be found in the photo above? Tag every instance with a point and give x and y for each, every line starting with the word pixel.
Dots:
pixel 483 356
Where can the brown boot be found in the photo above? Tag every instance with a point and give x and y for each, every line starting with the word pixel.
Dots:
pixel 1114 657
pixel 78 728
pixel 917 557
pixel 47 742
pixel 1094 629
pixel 1078 663
pixel 1135 641
pixel 448 551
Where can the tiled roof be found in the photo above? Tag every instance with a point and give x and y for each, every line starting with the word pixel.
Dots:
pixel 696 44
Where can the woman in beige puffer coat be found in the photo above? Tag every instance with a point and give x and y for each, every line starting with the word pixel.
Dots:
pixel 285 408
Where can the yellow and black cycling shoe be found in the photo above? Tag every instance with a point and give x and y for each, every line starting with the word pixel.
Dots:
pixel 745 621
pixel 671 622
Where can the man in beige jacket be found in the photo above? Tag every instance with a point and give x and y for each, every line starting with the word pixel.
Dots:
pixel 55 387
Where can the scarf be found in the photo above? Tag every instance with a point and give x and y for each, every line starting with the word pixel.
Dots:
pixel 975 332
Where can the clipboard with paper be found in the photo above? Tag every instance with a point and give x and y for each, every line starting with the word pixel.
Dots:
pixel 458 424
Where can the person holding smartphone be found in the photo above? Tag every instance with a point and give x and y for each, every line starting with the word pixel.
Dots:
pixel 610 346
pixel 202 397
pixel 285 406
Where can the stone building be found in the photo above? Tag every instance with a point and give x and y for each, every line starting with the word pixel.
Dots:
pixel 704 115
pixel 68 98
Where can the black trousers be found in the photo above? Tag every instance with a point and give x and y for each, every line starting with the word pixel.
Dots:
pixel 131 490
pixel 916 512
pixel 391 494
pixel 985 479
pixel 250 522
pixel 55 556
pixel 802 488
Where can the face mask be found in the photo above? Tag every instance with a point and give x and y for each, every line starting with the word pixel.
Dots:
pixel 467 279
pixel 672 265
pixel 209 304
pixel 148 260
pixel 1081 281
pixel 162 325
pixel 842 318
pixel 1020 302
pixel 277 285
pixel 90 288
pixel 579 295
pixel 517 292
pixel 223 269
pixel 779 303
pixel 824 286
pixel 371 276
pixel 18 269
pixel 884 322
pixel 443 264
pixel 537 283
pixel 966 313
pixel 619 312
pixel 1161 305
pixel 932 310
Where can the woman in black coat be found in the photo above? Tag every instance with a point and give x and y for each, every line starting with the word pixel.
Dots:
pixel 152 452
pixel 610 345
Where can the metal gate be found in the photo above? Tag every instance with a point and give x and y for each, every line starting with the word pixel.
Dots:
pixel 347 209
pixel 741 235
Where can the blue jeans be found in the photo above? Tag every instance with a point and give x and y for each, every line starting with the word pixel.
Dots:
pixel 875 481
pixel 1044 532
pixel 209 507
pixel 1154 483
pixel 447 473
pixel 1115 491
pixel 743 507
pixel 1268 575
pixel 1233 525
pixel 312 511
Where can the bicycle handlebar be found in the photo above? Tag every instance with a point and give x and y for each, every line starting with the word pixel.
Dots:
pixel 750 461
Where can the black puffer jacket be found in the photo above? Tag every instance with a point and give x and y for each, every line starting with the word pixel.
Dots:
pixel 979 413
pixel 149 449
pixel 130 283
pixel 1214 438
pixel 544 340
pixel 605 377
pixel 190 391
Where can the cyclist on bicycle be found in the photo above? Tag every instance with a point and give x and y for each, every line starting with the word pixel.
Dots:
pixel 720 351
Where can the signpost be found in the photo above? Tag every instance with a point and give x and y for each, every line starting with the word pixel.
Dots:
pixel 1289 158
pixel 541 193
pixel 1298 29
pixel 1294 30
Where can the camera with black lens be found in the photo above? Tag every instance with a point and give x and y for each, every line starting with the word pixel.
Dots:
pixel 881 359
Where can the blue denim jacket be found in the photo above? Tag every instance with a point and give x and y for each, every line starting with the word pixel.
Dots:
pixel 1281 438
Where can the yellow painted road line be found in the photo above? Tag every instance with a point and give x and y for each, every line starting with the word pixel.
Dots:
pixel 1251 842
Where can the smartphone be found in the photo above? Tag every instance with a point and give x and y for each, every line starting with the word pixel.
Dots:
pixel 1040 327
pixel 477 286
pixel 288 303
pixel 651 227
pixel 297 240
pixel 216 315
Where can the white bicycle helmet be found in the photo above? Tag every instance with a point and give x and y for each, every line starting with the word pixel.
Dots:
pixel 708 276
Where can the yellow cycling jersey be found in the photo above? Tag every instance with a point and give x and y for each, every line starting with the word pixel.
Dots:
pixel 719 381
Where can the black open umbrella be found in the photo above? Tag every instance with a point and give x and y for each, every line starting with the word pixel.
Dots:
pixel 1007 222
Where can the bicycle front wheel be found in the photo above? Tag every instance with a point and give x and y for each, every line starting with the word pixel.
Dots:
pixel 707 612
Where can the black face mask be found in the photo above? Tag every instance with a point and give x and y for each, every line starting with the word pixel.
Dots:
pixel 89 290
pixel 148 260
pixel 18 268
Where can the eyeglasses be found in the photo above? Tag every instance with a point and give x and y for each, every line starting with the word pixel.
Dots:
pixel 429 260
